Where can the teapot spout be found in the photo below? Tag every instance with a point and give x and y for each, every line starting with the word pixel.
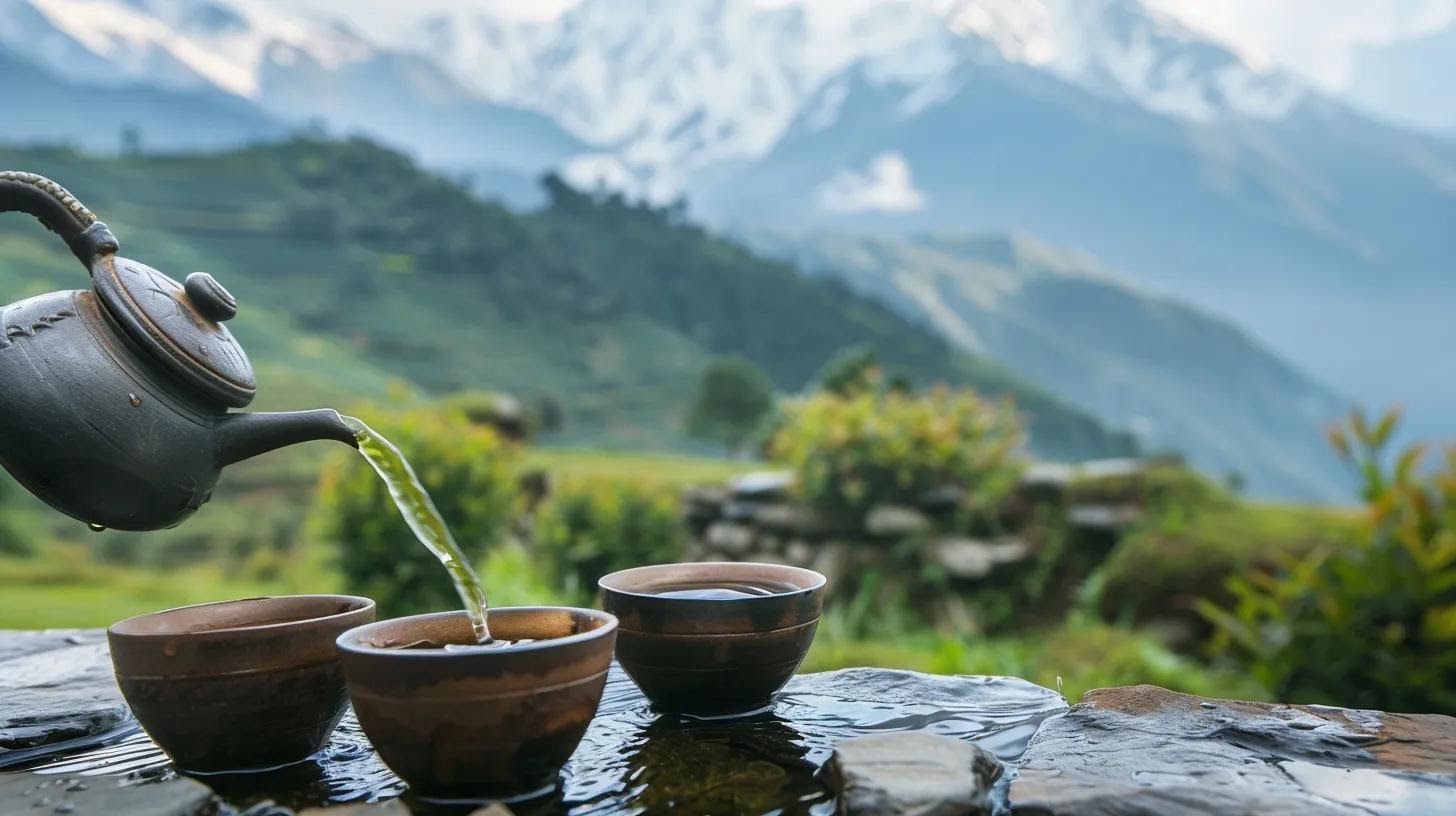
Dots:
pixel 243 436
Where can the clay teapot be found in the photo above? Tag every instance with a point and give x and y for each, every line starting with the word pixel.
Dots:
pixel 114 400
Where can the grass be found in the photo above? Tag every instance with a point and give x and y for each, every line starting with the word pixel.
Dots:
pixel 1074 659
pixel 586 464
pixel 65 589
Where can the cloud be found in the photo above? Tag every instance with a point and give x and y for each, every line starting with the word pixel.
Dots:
pixel 1315 38
pixel 885 185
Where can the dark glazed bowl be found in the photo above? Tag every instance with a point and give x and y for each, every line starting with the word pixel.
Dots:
pixel 237 685
pixel 479 724
pixel 712 657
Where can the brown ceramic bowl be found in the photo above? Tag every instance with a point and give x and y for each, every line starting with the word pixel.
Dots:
pixel 238 685
pixel 484 723
pixel 713 657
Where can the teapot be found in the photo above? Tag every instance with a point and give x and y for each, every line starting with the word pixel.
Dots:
pixel 114 400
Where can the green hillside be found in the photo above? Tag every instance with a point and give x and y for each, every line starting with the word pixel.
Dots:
pixel 353 266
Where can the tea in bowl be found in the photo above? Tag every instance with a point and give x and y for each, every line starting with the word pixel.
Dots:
pixel 242 685
pixel 713 639
pixel 479 722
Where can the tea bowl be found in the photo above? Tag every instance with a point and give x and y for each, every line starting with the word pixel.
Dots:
pixel 243 685
pixel 479 723
pixel 713 657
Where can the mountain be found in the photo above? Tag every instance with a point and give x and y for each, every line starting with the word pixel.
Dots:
pixel 230 56
pixel 1181 378
pixel 1096 124
pixel 1405 81
pixel 353 265
pixel 1319 232
pixel 57 111
pixel 1099 125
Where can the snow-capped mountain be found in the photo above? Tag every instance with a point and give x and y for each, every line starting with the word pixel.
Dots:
pixel 674 87
pixel 183 45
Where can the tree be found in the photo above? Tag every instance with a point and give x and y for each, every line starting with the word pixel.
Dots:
pixel 851 372
pixel 734 396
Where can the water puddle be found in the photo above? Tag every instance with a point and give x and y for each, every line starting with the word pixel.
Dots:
pixel 1391 793
pixel 635 761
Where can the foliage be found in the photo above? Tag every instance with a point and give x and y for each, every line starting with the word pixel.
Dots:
pixel 852 371
pixel 356 265
pixel 467 469
pixel 589 529
pixel 733 397
pixel 853 452
pixel 1074 658
pixel 1371 624
pixel 1179 552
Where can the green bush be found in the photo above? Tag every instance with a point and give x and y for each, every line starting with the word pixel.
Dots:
pixel 852 452
pixel 1179 553
pixel 467 468
pixel 1372 624
pixel 589 529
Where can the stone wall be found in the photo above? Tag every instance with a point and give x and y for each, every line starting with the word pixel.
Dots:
pixel 756 518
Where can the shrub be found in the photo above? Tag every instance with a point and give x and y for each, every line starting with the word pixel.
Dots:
pixel 1180 552
pixel 1372 624
pixel 589 529
pixel 852 452
pixel 467 468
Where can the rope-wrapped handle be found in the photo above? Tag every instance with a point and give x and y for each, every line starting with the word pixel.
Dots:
pixel 61 213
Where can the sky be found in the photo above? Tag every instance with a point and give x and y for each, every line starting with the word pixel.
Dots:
pixel 1315 38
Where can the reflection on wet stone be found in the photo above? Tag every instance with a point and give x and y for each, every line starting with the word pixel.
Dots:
pixel 752 766
pixel 633 760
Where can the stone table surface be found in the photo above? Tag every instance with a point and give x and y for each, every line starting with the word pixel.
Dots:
pixel 69 745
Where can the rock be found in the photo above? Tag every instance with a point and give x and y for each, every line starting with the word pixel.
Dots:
pixel 729 538
pixel 832 559
pixel 895 521
pixel 762 486
pixel 969 558
pixel 1147 750
pixel 111 796
pixel 393 807
pixel 912 772
pixel 1112 517
pixel 740 511
pixel 799 553
pixel 56 686
pixel 778 516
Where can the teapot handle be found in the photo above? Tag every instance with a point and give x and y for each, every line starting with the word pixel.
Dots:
pixel 61 213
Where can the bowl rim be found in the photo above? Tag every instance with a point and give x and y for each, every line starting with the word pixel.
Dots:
pixel 349 641
pixel 816 579
pixel 124 628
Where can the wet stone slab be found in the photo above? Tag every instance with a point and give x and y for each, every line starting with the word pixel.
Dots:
pixel 56 692
pixel 110 796
pixel 1134 750
pixel 1145 750
pixel 631 760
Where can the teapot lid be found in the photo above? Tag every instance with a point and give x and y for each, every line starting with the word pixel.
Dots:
pixel 180 324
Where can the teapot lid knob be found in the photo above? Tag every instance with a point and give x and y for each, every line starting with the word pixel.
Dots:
pixel 210 298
